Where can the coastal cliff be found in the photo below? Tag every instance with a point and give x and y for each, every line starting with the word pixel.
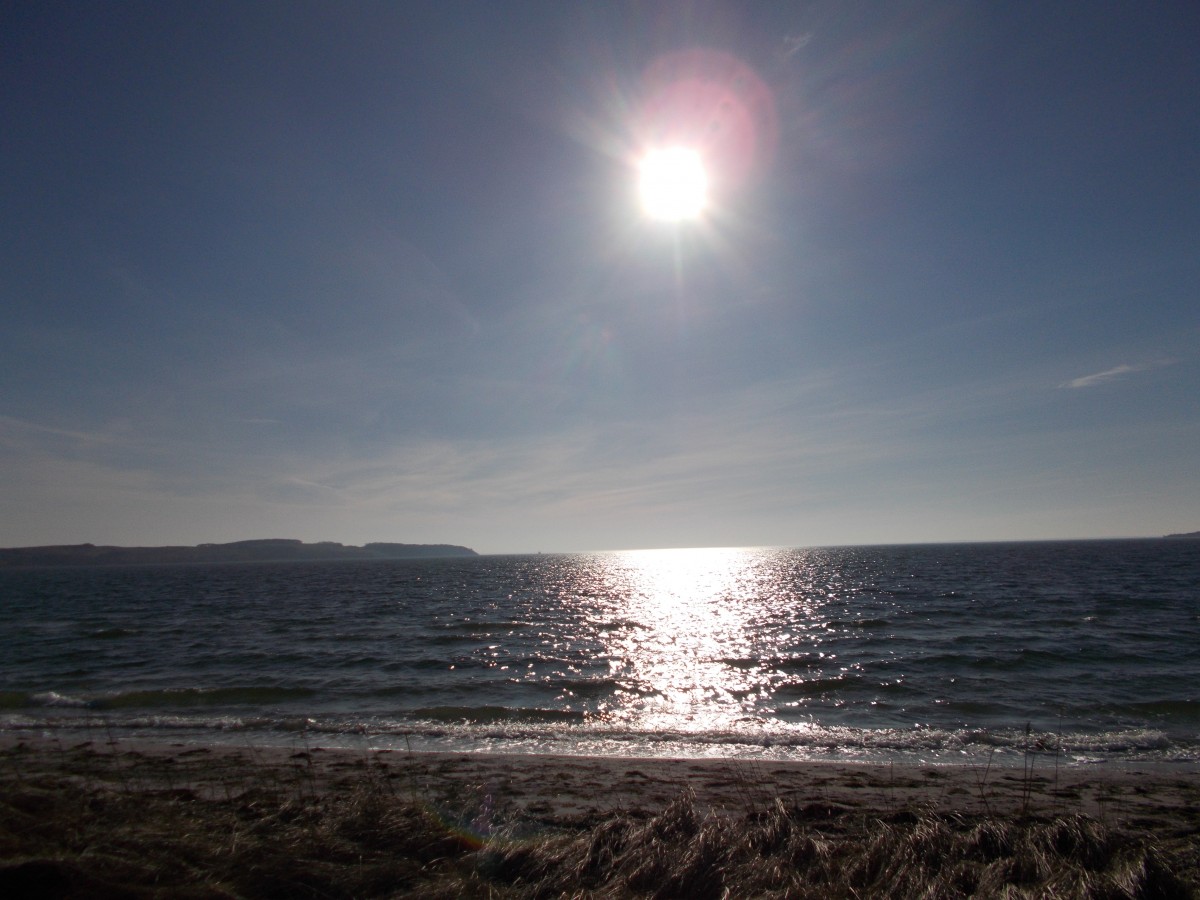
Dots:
pixel 267 550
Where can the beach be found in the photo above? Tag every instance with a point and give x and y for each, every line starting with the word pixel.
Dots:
pixel 107 816
pixel 937 721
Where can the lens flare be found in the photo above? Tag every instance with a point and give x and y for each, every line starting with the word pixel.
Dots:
pixel 714 104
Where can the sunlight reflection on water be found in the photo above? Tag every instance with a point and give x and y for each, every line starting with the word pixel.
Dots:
pixel 701 627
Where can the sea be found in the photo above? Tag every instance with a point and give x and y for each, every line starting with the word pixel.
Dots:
pixel 1084 652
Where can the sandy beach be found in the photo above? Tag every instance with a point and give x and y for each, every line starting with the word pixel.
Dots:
pixel 105 817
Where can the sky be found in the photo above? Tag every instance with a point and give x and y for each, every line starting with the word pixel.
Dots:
pixel 379 272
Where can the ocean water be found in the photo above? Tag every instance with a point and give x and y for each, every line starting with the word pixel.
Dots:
pixel 1087 651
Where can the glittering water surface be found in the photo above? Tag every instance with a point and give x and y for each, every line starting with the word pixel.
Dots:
pixel 1087 649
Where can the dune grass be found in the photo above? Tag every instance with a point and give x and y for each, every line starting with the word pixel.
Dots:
pixel 95 824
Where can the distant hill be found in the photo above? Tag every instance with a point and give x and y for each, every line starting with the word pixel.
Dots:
pixel 268 550
pixel 1189 536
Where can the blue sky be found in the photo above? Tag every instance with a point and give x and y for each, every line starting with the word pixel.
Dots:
pixel 377 272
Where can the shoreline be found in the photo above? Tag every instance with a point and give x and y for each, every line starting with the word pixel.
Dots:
pixel 554 786
pixel 1133 748
pixel 500 819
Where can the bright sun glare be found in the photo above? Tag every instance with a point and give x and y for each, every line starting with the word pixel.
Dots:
pixel 673 184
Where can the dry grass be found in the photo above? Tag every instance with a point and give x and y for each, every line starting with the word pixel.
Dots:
pixel 95 827
pixel 783 853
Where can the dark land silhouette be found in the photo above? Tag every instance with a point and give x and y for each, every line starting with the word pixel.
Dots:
pixel 267 550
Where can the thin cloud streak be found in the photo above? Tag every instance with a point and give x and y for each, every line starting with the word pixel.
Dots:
pixel 1107 375
pixel 12 428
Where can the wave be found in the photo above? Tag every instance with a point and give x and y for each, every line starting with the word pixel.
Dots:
pixel 232 696
pixel 540 730
pixel 54 698
pixel 620 625
pixel 1175 710
pixel 592 687
pixel 776 663
pixel 450 638
pixel 818 687
pixel 857 623
pixel 485 714
pixel 150 699
pixel 485 625
pixel 108 634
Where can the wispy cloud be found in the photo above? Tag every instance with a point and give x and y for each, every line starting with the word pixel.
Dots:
pixel 12 427
pixel 1120 371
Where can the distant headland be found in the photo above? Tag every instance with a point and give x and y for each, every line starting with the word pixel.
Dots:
pixel 267 550
pixel 1189 536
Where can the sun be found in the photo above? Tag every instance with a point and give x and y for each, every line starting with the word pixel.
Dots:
pixel 673 184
